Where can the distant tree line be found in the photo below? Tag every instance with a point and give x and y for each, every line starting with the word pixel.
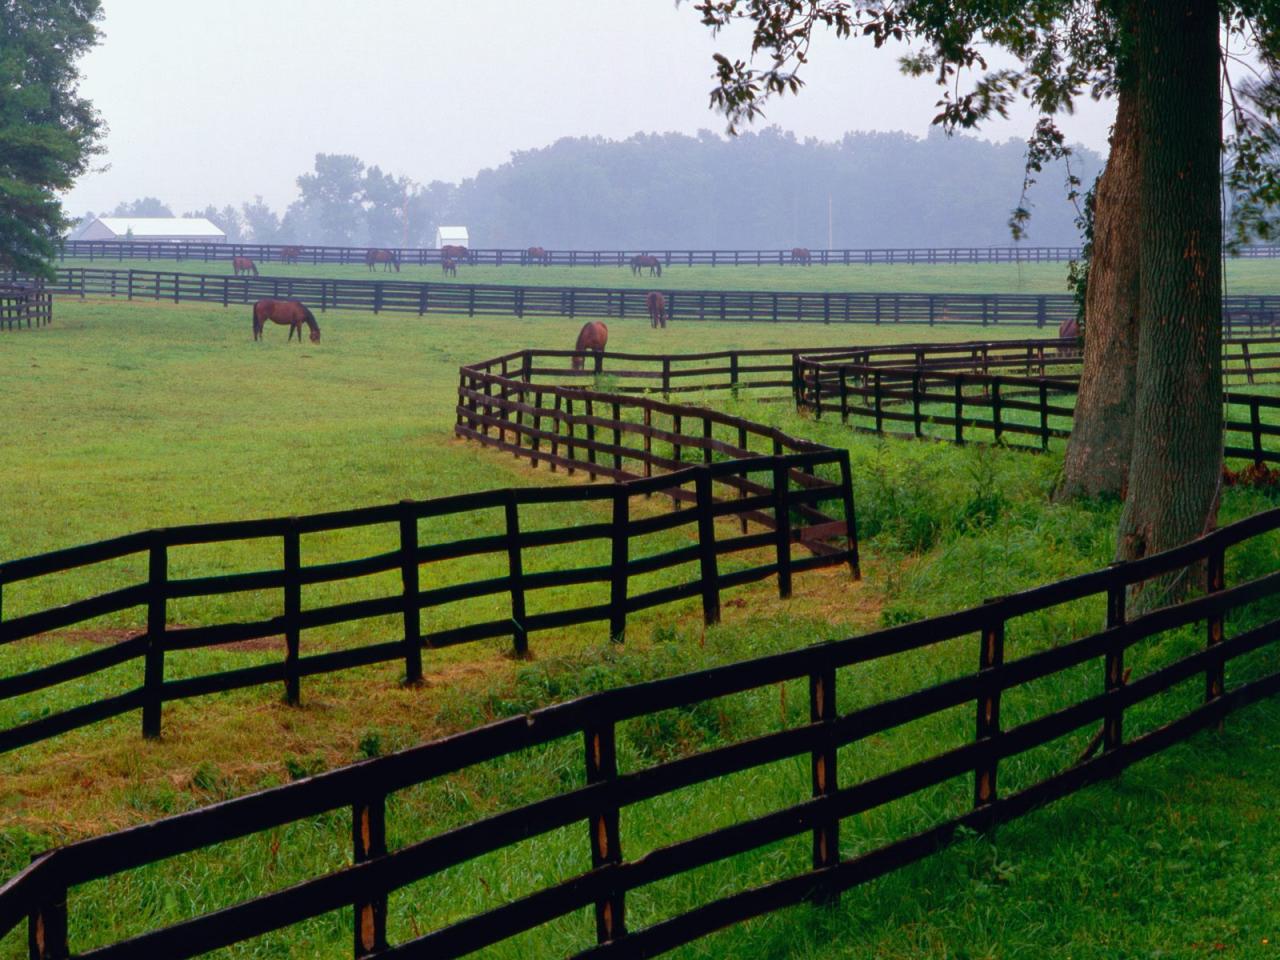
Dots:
pixel 763 189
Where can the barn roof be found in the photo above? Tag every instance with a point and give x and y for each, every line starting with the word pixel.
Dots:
pixel 450 234
pixel 142 227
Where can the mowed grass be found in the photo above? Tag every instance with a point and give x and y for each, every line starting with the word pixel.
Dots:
pixel 1242 276
pixel 140 414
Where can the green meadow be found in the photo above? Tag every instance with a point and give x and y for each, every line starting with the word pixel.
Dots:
pixel 126 416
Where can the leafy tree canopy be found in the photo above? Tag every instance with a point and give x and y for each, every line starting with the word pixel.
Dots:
pixel 48 132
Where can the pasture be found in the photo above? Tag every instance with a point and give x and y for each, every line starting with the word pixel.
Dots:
pixel 1243 276
pixel 134 415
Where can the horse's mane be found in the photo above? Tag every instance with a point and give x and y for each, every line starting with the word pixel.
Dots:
pixel 309 317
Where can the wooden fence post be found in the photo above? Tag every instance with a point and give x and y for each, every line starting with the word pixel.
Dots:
pixel 1044 416
pixel 916 420
pixel 826 832
pixel 959 409
pixel 47 927
pixel 850 518
pixel 617 436
pixel 515 573
pixel 990 658
pixel 1113 667
pixel 369 841
pixel 591 437
pixel 292 610
pixel 409 582
pixel 606 848
pixel 707 562
pixel 1216 672
pixel 782 525
pixel 618 581
pixel 879 403
pixel 1255 426
pixel 153 675
pixel 995 407
pixel 844 394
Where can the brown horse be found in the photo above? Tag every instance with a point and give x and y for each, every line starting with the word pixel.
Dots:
pixel 1069 329
pixel 801 256
pixel 593 336
pixel 453 251
pixel 241 265
pixel 288 313
pixel 449 266
pixel 290 254
pixel 387 258
pixel 657 306
pixel 539 256
pixel 640 261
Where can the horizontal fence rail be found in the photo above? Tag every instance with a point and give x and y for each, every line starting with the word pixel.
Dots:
pixel 1242 313
pixel 1020 393
pixel 24 306
pixel 501 257
pixel 721 467
pixel 1177 690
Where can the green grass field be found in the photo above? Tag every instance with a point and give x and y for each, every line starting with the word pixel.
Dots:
pixel 128 416
pixel 1243 276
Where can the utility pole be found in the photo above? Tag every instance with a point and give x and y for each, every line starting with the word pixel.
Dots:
pixel 828 222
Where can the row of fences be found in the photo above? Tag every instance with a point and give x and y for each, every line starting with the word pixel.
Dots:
pixel 627 438
pixel 25 305
pixel 1243 314
pixel 422 256
pixel 310 591
pixel 861 779
pixel 1019 394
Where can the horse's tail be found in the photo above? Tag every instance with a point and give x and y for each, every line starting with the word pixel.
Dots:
pixel 254 267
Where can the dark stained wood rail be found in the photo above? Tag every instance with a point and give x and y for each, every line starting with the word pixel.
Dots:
pixel 25 305
pixel 1001 789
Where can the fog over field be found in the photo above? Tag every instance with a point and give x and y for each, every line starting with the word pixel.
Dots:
pixel 218 108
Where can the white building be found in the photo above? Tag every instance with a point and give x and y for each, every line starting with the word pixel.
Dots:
pixel 153 229
pixel 452 237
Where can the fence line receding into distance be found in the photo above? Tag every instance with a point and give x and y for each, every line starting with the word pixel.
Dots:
pixel 1150 694
pixel 424 256
pixel 1243 313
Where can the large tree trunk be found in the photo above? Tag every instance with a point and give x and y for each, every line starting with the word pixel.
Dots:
pixel 1097 460
pixel 1175 469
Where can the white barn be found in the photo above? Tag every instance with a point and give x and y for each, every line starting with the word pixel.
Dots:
pixel 452 236
pixel 152 229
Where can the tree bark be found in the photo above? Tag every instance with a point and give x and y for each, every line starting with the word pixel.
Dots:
pixel 1176 466
pixel 1097 459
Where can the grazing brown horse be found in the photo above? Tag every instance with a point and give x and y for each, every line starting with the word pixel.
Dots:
pixel 241 265
pixel 657 306
pixel 387 258
pixel 640 261
pixel 453 251
pixel 290 254
pixel 539 256
pixel 289 313
pixel 449 266
pixel 1069 329
pixel 593 336
pixel 801 256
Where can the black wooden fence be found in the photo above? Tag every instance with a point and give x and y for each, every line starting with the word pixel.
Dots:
pixel 949 392
pixel 26 305
pixel 783 489
pixel 315 254
pixel 1243 313
pixel 1181 692
pixel 501 257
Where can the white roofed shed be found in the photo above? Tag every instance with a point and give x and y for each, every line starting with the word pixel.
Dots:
pixel 154 229
pixel 452 236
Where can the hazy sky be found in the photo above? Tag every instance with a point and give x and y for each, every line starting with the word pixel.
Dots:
pixel 213 103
